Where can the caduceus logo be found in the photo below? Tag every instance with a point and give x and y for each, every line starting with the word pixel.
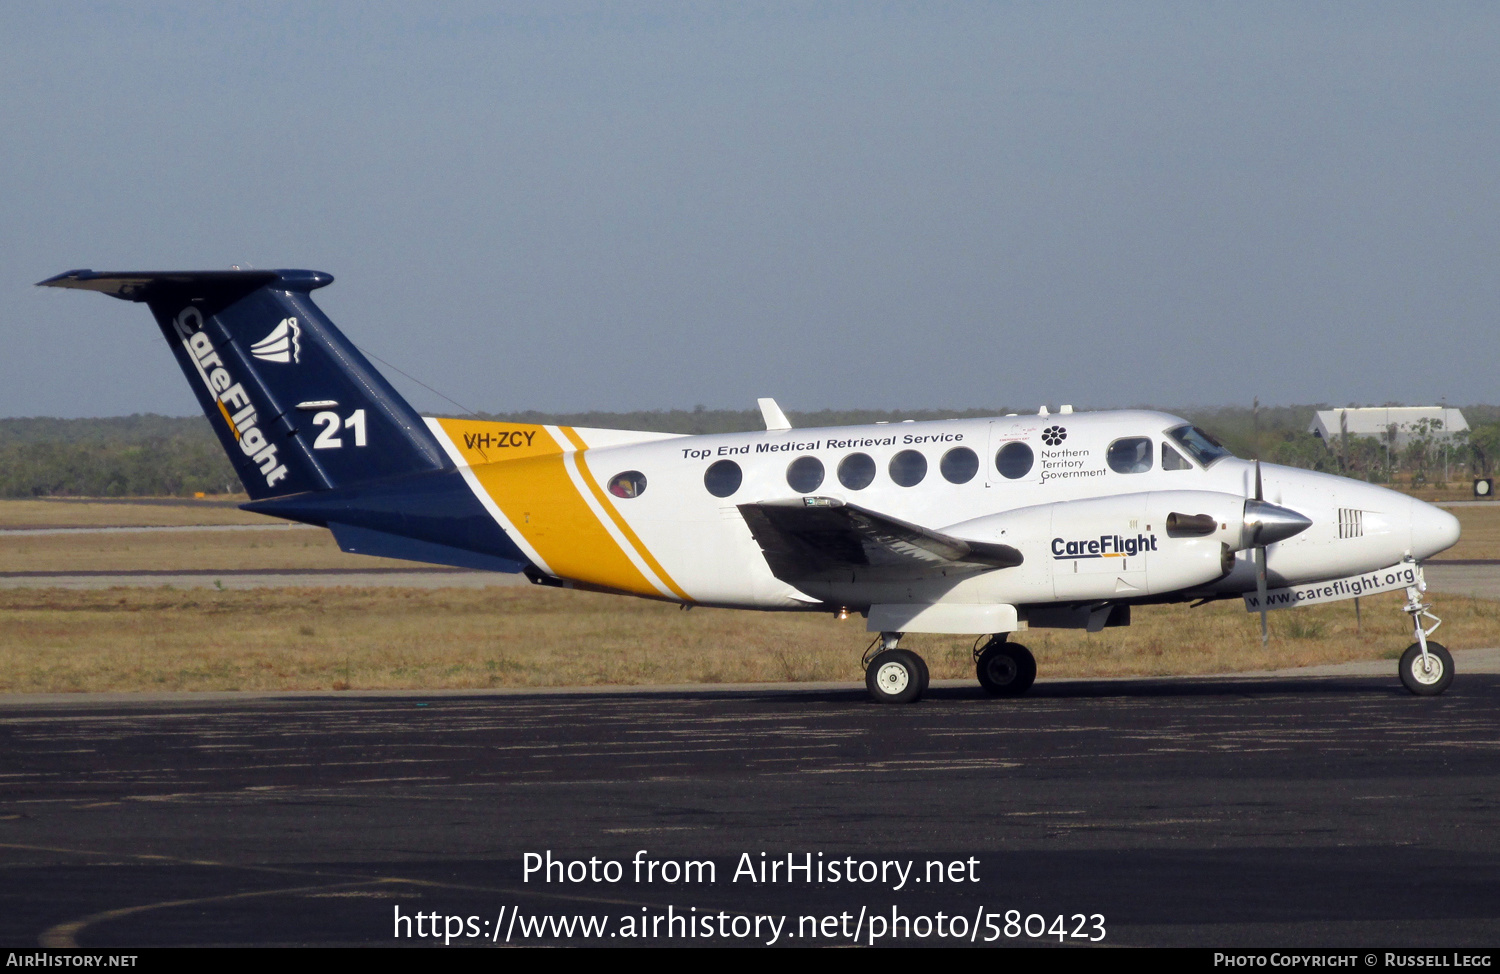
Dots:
pixel 282 345
pixel 1054 435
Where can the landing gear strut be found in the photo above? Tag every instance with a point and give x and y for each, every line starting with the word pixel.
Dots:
pixel 1426 667
pixel 1005 669
pixel 894 675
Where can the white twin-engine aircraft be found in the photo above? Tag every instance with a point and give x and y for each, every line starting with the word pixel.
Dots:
pixel 987 526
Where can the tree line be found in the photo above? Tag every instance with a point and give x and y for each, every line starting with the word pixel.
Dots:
pixel 122 456
pixel 151 455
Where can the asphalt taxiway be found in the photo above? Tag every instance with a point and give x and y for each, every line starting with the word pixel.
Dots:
pixel 1273 810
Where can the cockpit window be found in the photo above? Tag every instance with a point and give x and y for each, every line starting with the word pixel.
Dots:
pixel 1204 448
pixel 1172 460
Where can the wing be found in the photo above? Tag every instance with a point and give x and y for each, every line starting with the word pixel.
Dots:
pixel 814 537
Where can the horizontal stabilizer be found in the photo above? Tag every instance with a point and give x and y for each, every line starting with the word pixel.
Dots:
pixel 436 509
pixel 363 541
pixel 152 285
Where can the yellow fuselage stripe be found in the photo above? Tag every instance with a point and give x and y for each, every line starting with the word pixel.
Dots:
pixel 540 500
pixel 620 522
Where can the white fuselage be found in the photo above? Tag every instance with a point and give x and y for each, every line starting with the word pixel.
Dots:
pixel 695 546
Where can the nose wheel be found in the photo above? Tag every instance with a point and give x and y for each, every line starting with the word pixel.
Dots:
pixel 1426 674
pixel 1005 669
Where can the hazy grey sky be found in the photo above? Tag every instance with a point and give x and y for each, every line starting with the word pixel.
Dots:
pixel 621 206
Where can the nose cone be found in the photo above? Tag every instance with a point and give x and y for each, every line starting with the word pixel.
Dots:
pixel 1432 530
pixel 1269 523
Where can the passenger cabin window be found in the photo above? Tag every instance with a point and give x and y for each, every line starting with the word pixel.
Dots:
pixel 805 474
pixel 631 483
pixel 723 478
pixel 1172 460
pixel 959 465
pixel 1130 455
pixel 1014 460
pixel 908 467
pixel 1199 445
pixel 856 471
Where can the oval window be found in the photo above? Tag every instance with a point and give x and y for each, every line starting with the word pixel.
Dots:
pixel 959 465
pixel 805 474
pixel 856 471
pixel 723 478
pixel 1014 460
pixel 908 468
pixel 631 483
pixel 1130 455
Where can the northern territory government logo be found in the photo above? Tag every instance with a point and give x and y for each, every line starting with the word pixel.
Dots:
pixel 282 345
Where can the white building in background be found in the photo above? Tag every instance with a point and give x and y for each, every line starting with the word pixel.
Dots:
pixel 1406 421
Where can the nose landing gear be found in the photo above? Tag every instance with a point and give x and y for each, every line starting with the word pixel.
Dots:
pixel 1426 666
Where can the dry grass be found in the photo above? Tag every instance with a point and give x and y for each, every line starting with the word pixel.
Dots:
pixel 1457 489
pixel 269 550
pixel 1481 533
pixel 334 639
pixel 60 513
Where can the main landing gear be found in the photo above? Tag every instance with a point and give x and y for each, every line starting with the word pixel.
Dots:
pixel 1426 667
pixel 1005 669
pixel 894 675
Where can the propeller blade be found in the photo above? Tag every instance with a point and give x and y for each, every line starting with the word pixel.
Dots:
pixel 1259 495
pixel 1260 590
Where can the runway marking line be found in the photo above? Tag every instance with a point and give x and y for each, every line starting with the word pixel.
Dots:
pixel 64 935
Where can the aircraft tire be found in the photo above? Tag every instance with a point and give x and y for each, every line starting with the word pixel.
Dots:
pixel 896 676
pixel 1420 681
pixel 1006 669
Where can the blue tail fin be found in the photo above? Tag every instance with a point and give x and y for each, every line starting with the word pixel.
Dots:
pixel 295 404
pixel 315 432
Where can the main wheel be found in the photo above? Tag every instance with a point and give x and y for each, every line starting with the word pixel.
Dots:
pixel 1430 680
pixel 896 676
pixel 1006 669
pixel 926 675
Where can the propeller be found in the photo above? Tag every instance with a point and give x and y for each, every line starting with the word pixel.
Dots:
pixel 1260 566
pixel 1266 524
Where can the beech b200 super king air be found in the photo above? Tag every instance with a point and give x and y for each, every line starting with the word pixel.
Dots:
pixel 981 526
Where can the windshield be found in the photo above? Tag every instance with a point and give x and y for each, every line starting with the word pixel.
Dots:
pixel 1204 448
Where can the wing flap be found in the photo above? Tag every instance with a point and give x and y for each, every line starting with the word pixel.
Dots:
pixel 814 536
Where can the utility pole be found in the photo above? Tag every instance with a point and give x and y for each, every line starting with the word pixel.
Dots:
pixel 1344 442
pixel 1443 425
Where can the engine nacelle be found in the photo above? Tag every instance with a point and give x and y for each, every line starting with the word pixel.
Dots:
pixel 1117 547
